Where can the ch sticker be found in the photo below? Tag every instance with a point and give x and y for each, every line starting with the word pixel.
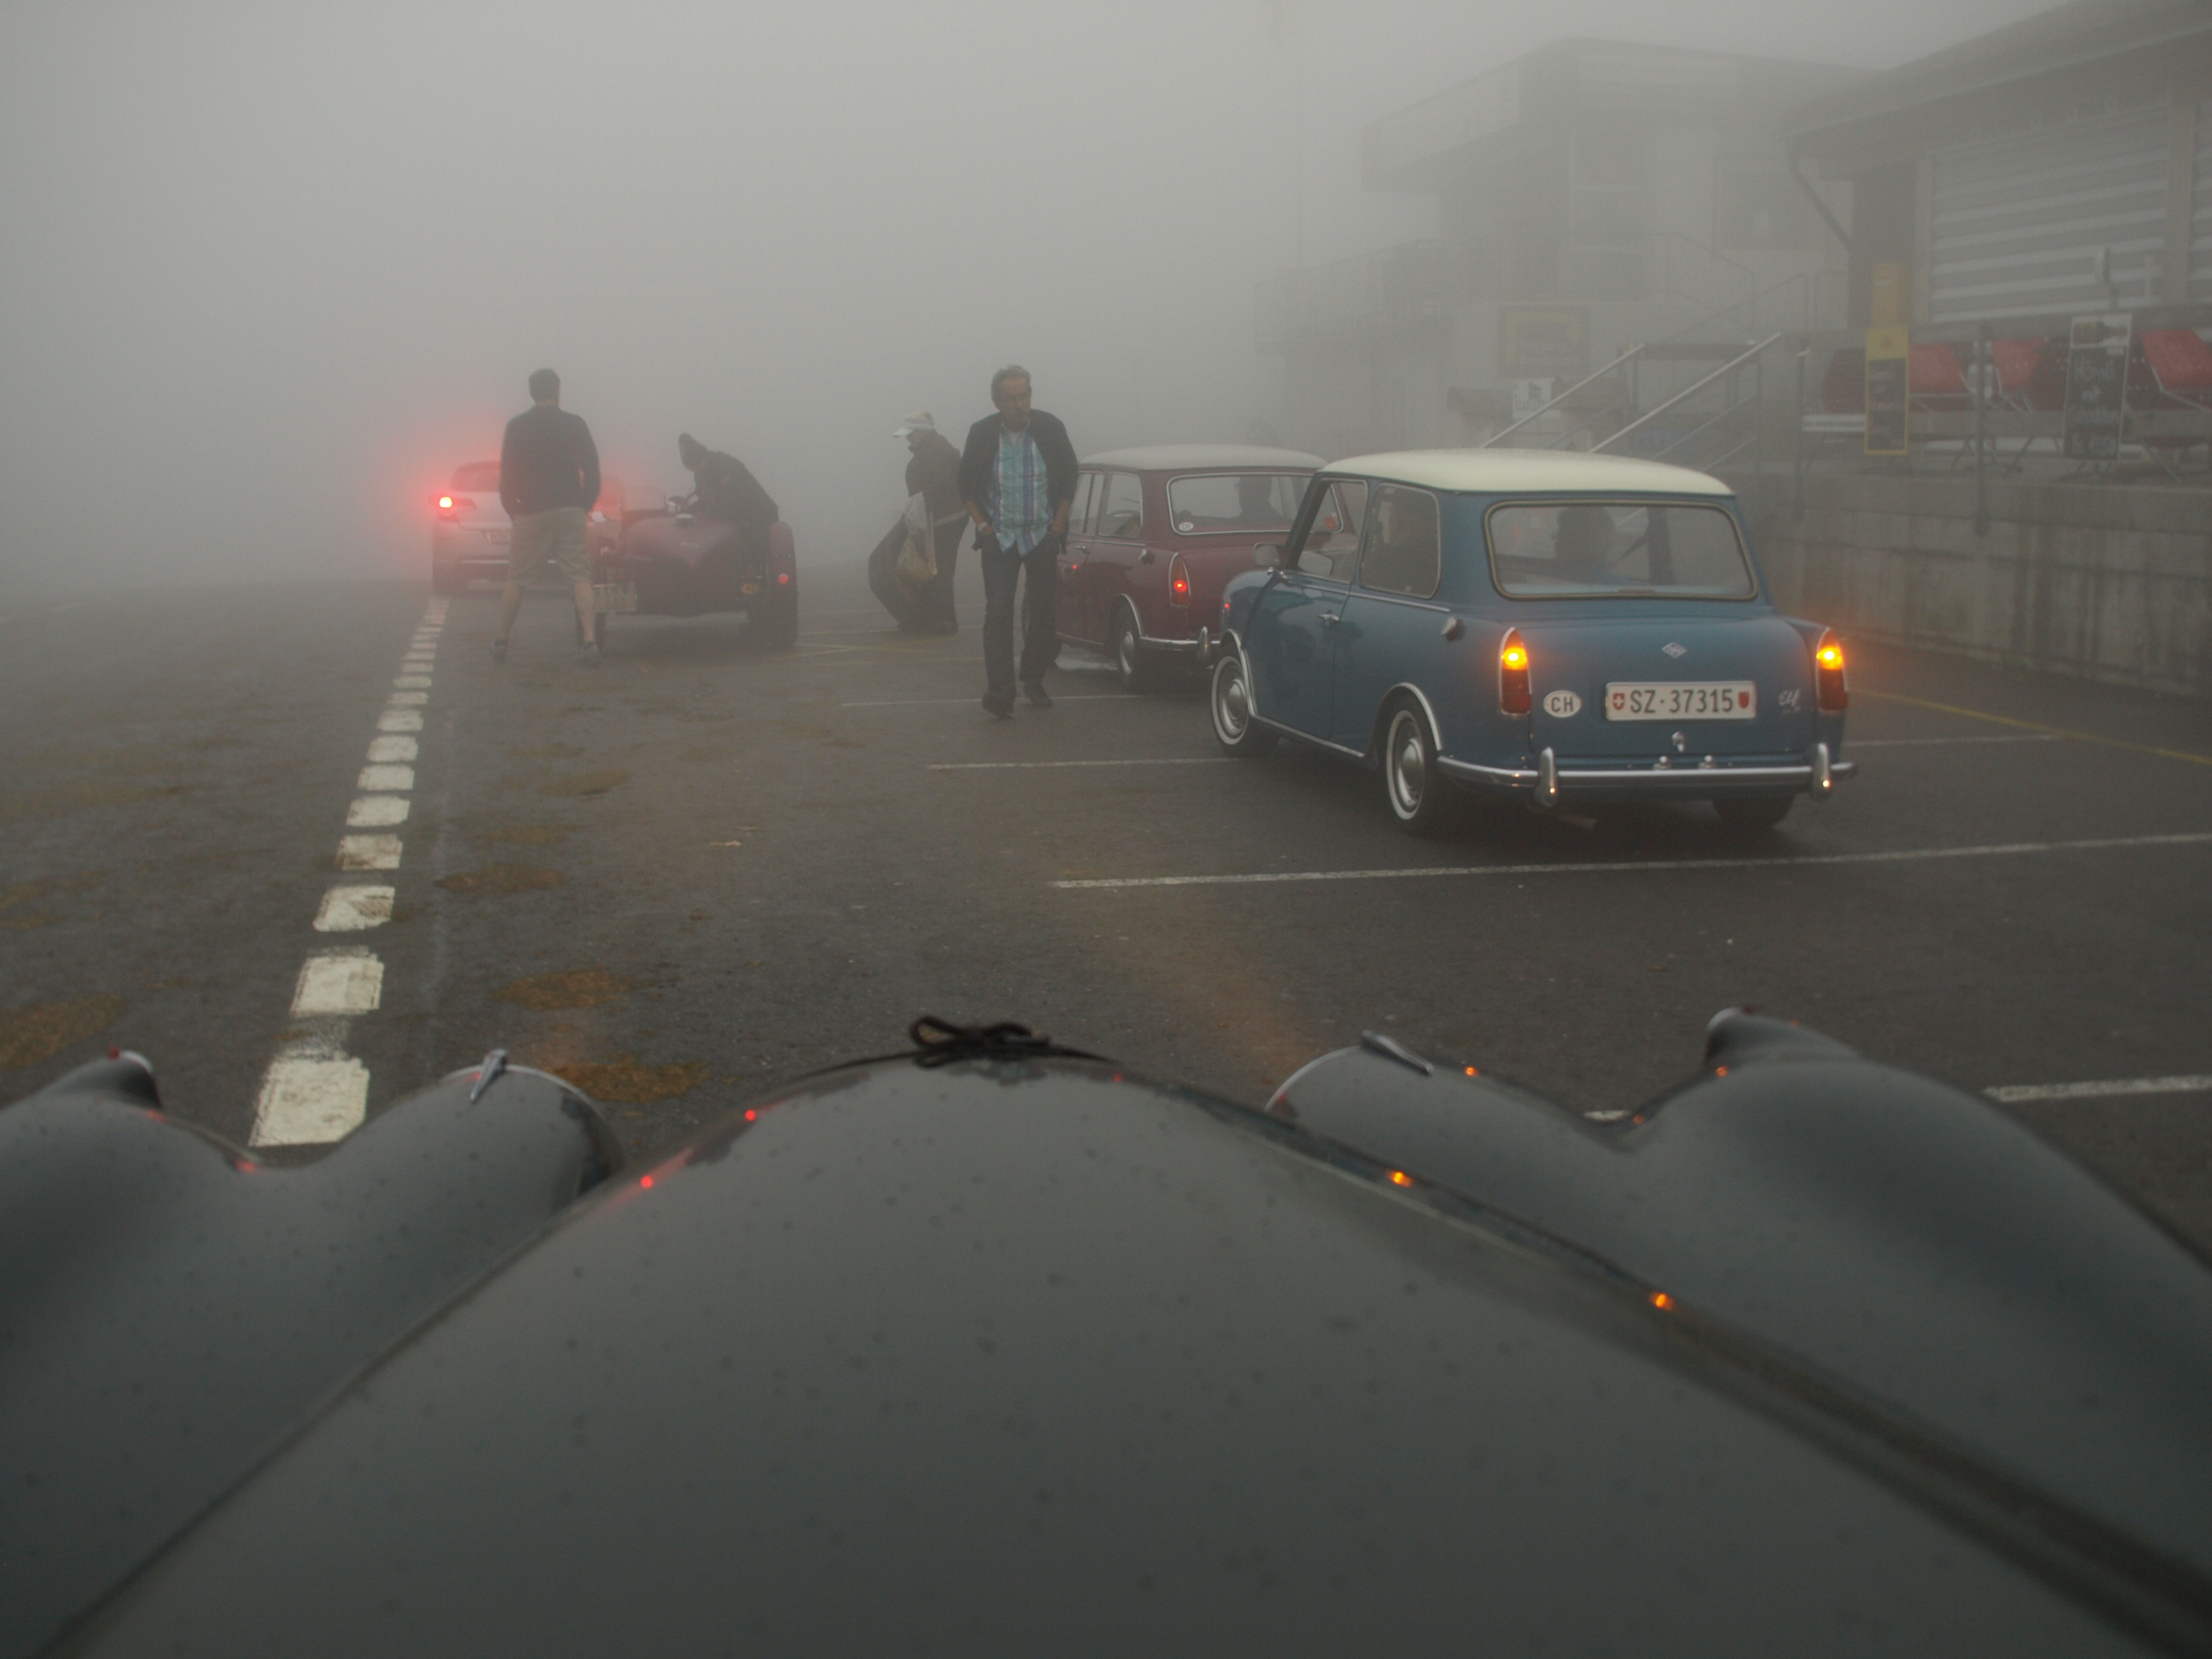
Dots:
pixel 1562 705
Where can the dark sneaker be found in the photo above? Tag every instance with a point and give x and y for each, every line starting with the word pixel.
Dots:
pixel 1037 694
pixel 499 650
pixel 1000 705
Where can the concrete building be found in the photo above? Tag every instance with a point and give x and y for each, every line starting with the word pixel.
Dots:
pixel 1589 196
pixel 2061 165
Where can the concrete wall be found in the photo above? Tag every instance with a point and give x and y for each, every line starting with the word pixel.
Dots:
pixel 2105 582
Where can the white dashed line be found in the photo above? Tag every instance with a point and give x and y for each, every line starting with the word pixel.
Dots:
pixel 306 1100
pixel 2134 1086
pixel 1013 766
pixel 399 719
pixel 1922 743
pixel 385 778
pixel 1917 855
pixel 338 984
pixel 383 749
pixel 376 812
pixel 412 683
pixel 354 910
pixel 368 852
pixel 408 699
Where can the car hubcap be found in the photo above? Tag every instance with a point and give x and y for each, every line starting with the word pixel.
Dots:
pixel 1230 708
pixel 1124 652
pixel 1407 773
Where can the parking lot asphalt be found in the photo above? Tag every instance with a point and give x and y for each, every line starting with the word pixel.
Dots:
pixel 703 868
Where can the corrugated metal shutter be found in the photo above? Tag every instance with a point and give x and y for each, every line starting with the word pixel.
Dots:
pixel 2200 220
pixel 2016 225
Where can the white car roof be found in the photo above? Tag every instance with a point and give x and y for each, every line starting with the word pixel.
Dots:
pixel 1201 458
pixel 1494 471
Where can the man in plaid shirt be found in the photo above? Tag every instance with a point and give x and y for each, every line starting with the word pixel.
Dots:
pixel 1017 478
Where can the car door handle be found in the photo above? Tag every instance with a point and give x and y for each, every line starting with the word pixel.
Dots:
pixel 1330 620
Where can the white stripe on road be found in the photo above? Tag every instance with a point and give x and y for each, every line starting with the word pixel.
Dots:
pixel 307 1101
pixel 1012 766
pixel 2133 1086
pixel 938 702
pixel 399 719
pixel 1908 856
pixel 384 751
pixel 354 910
pixel 376 812
pixel 392 779
pixel 368 852
pixel 408 699
pixel 338 984
pixel 412 683
pixel 1918 743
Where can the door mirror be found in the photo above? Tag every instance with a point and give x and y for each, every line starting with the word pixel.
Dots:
pixel 1268 557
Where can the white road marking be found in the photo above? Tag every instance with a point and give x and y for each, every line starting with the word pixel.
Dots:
pixel 397 778
pixel 376 812
pixel 399 719
pixel 935 703
pixel 1645 866
pixel 1010 766
pixel 338 984
pixel 354 910
pixel 408 699
pixel 304 1101
pixel 2133 1086
pixel 1856 743
pixel 390 750
pixel 412 683
pixel 368 852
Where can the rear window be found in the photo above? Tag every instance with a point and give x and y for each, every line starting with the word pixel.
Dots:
pixel 477 475
pixel 1628 550
pixel 1234 501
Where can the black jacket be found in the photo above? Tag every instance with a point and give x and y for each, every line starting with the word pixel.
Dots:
pixel 933 472
pixel 981 455
pixel 547 460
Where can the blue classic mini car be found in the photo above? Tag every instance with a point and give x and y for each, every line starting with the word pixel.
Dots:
pixel 1558 626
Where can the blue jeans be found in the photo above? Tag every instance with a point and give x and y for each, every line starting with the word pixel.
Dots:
pixel 1002 567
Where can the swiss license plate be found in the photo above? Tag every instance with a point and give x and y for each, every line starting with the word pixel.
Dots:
pixel 616 597
pixel 496 537
pixel 1705 700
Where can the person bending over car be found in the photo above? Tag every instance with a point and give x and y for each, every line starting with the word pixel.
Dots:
pixel 1017 479
pixel 549 477
pixel 724 487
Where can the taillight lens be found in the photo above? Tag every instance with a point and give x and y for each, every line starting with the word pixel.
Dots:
pixel 1830 689
pixel 1513 673
pixel 1178 582
pixel 451 507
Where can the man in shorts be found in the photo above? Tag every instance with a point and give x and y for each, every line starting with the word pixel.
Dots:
pixel 549 477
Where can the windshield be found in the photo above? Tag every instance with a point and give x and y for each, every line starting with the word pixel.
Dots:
pixel 1599 550
pixel 478 475
pixel 1234 501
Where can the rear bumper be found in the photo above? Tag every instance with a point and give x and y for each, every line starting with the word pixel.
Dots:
pixel 1548 782
pixel 471 552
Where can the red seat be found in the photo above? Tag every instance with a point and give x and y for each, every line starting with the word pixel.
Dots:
pixel 2180 365
pixel 2031 372
pixel 1937 379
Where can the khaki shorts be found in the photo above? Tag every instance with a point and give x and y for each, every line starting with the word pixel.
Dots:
pixel 555 537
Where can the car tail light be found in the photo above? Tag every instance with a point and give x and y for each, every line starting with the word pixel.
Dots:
pixel 783 579
pixel 1830 689
pixel 450 507
pixel 1178 582
pixel 1513 673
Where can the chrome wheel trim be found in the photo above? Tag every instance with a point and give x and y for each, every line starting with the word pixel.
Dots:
pixel 1124 648
pixel 1232 705
pixel 1408 765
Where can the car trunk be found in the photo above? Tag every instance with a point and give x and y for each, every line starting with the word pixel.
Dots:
pixel 1586 656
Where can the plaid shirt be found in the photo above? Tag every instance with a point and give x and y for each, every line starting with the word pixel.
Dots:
pixel 1020 503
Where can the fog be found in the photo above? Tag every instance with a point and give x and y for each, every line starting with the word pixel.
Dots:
pixel 270 272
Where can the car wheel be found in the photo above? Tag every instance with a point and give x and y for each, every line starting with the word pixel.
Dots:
pixel 1234 728
pixel 779 622
pixel 1419 796
pixel 448 579
pixel 1133 666
pixel 1753 812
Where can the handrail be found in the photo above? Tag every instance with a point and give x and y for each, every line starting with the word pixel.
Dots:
pixel 1690 390
pixel 1633 352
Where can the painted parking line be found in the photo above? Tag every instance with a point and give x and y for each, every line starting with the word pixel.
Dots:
pixel 1035 766
pixel 1857 744
pixel 339 983
pixel 400 751
pixel 940 703
pixel 368 852
pixel 2133 1086
pixel 1910 855
pixel 399 719
pixel 308 1099
pixel 2037 725
pixel 376 811
pixel 354 910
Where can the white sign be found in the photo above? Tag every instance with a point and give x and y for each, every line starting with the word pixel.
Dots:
pixel 1529 396
pixel 1562 705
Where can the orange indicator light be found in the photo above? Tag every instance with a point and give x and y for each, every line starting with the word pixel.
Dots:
pixel 1474 1071
pixel 1720 1070
pixel 1516 657
pixel 1400 1178
pixel 1662 1301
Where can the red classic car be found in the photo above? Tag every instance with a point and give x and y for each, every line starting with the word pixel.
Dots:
pixel 1153 535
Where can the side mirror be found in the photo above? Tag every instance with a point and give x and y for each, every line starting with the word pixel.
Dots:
pixel 1268 557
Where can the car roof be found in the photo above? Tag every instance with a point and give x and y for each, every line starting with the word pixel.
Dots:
pixel 1201 458
pixel 1493 471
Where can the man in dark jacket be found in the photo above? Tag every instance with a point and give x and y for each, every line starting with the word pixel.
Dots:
pixel 724 487
pixel 933 472
pixel 549 477
pixel 1017 479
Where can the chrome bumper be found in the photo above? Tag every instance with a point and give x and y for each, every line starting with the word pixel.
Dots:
pixel 1548 780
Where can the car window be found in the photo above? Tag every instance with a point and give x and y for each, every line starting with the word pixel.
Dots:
pixel 477 475
pixel 1402 552
pixel 1596 550
pixel 1123 513
pixel 1332 543
pixel 1215 502
pixel 1086 498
